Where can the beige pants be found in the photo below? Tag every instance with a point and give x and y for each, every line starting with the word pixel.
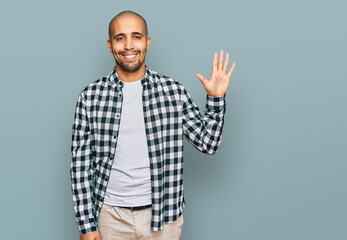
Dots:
pixel 117 223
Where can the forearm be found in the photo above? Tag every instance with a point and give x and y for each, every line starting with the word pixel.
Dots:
pixel 204 131
pixel 82 194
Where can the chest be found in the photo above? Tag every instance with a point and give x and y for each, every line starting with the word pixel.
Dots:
pixel 161 114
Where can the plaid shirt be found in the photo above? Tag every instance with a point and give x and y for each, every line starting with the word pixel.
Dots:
pixel 169 113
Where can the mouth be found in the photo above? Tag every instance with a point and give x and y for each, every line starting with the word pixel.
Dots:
pixel 129 56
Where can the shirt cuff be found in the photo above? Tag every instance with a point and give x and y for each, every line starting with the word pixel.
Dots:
pixel 215 103
pixel 87 227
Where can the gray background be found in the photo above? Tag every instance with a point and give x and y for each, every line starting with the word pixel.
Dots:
pixel 280 172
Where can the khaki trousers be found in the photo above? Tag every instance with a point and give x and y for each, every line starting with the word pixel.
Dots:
pixel 117 223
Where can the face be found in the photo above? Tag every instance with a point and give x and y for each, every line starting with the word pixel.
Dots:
pixel 128 43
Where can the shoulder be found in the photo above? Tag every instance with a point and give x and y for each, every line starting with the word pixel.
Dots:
pixel 168 83
pixel 96 87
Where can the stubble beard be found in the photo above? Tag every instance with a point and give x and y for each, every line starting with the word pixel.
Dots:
pixel 129 67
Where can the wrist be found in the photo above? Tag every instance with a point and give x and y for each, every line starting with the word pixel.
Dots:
pixel 215 95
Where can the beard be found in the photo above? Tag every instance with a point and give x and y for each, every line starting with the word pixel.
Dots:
pixel 129 67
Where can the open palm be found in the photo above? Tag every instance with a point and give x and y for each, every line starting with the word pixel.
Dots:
pixel 218 83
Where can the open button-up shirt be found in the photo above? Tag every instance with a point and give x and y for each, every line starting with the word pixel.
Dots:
pixel 169 113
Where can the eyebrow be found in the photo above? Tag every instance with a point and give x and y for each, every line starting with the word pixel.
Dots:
pixel 133 33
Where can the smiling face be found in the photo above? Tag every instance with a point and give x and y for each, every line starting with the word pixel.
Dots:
pixel 128 42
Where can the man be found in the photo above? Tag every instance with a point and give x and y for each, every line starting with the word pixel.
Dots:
pixel 127 140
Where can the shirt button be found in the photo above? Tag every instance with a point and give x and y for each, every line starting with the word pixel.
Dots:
pixel 117 115
pixel 120 94
pixel 114 137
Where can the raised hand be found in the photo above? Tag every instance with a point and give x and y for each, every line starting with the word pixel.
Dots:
pixel 218 83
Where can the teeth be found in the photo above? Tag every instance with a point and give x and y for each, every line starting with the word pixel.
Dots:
pixel 130 56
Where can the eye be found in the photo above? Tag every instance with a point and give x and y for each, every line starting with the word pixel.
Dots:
pixel 119 38
pixel 137 37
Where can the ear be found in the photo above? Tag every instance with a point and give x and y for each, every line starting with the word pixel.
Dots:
pixel 148 42
pixel 109 45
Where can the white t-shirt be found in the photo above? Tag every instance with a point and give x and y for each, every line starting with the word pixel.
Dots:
pixel 130 180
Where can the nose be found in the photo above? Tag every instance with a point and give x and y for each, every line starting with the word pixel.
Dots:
pixel 128 44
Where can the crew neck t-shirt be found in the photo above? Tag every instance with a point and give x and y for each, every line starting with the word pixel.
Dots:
pixel 130 182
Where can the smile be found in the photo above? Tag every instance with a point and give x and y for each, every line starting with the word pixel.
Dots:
pixel 130 56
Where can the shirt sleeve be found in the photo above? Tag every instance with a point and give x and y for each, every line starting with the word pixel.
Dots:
pixel 204 131
pixel 81 170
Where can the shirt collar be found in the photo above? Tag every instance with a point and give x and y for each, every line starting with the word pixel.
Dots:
pixel 147 80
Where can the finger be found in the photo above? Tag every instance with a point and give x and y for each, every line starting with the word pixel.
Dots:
pixel 214 65
pixel 225 66
pixel 231 70
pixel 221 56
pixel 202 79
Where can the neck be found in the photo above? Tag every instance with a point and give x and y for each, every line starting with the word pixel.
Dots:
pixel 131 76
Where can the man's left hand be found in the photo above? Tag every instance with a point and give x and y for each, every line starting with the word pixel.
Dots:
pixel 218 83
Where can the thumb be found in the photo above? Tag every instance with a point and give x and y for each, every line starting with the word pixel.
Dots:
pixel 202 79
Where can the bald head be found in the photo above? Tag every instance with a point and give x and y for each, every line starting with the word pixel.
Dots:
pixel 126 13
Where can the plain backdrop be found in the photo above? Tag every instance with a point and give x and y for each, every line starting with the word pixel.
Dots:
pixel 280 172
